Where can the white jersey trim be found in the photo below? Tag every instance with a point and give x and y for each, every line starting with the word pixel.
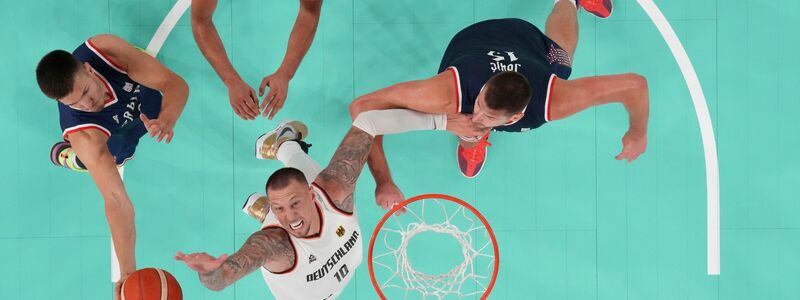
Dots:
pixel 457 81
pixel 547 99
pixel 84 127
pixel 113 93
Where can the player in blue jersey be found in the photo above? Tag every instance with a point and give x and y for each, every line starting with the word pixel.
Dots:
pixel 242 97
pixel 509 76
pixel 109 95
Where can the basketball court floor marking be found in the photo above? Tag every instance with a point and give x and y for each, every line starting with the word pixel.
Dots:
pixel 153 48
pixel 706 132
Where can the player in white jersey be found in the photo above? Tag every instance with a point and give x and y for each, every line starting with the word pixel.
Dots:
pixel 310 242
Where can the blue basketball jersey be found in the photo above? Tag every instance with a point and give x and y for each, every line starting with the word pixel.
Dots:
pixel 484 49
pixel 119 119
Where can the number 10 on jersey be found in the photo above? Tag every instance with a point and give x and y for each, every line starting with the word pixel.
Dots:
pixel 343 271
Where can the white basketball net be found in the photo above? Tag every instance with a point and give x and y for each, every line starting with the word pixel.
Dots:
pixel 470 278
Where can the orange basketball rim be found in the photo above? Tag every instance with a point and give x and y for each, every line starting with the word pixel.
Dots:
pixel 411 278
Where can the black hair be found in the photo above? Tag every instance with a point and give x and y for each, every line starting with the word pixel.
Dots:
pixel 508 91
pixel 283 177
pixel 56 72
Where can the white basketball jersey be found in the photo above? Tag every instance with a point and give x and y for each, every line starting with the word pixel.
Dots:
pixel 324 263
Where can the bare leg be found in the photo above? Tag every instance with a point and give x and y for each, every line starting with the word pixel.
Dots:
pixel 562 26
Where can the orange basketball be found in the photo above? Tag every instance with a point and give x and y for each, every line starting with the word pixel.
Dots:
pixel 151 284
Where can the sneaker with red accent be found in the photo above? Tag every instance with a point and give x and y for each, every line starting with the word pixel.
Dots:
pixel 600 8
pixel 470 160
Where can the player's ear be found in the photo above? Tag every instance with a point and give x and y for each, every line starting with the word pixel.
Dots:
pixel 515 117
pixel 88 68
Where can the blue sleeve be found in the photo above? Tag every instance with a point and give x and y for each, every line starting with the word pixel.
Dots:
pixel 73 120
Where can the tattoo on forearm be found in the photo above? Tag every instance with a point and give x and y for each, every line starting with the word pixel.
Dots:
pixel 349 159
pixel 269 246
pixel 346 164
pixel 213 280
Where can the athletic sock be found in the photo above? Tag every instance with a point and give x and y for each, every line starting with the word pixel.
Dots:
pixel 291 155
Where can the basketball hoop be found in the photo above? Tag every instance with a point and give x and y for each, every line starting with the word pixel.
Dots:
pixel 396 277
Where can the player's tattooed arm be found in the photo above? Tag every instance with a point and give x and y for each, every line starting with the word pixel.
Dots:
pixel 339 178
pixel 270 248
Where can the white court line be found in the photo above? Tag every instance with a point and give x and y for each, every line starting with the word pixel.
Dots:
pixel 706 131
pixel 166 26
pixel 115 274
pixel 153 48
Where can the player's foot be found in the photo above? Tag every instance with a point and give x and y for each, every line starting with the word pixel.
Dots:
pixel 267 144
pixel 62 155
pixel 470 160
pixel 256 206
pixel 600 8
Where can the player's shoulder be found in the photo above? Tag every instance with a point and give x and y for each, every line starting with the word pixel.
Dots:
pixel 112 50
pixel 272 234
pixel 106 40
pixel 273 231
pixel 330 196
pixel 283 255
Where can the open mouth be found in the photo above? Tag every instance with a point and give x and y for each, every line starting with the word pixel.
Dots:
pixel 296 225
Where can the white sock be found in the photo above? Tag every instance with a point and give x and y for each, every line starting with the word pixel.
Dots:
pixel 389 121
pixel 291 155
pixel 571 1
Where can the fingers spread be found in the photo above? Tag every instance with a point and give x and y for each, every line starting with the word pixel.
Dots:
pixel 269 101
pixel 278 104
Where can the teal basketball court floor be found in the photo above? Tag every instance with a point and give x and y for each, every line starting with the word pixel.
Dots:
pixel 571 222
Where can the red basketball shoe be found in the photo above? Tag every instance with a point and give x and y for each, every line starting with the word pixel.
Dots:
pixel 600 8
pixel 470 160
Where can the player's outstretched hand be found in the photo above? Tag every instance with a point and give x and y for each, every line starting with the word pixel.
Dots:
pixel 158 128
pixel 633 145
pixel 462 125
pixel 243 100
pixel 388 195
pixel 278 84
pixel 118 286
pixel 201 262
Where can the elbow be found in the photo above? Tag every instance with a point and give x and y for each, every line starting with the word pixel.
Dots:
pixel 314 9
pixel 638 83
pixel 117 204
pixel 198 21
pixel 183 87
pixel 217 288
pixel 356 107
pixel 200 24
pixel 178 86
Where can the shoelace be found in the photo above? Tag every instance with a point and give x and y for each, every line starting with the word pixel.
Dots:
pixel 591 4
pixel 475 153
